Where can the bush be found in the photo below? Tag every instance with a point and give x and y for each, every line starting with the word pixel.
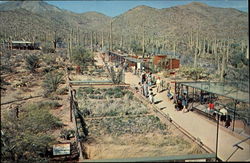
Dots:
pixel 49 104
pixel 67 134
pixel 27 137
pixel 63 91
pixel 32 62
pixel 50 59
pixel 47 48
pixel 6 68
pixel 52 81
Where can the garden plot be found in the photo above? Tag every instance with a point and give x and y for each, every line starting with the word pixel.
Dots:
pixel 121 126
pixel 93 75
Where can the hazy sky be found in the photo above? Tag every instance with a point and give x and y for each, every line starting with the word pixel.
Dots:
pixel 114 8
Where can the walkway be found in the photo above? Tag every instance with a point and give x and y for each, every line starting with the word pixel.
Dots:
pixel 199 127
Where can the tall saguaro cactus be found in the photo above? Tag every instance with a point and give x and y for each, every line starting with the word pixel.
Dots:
pixel 102 41
pixel 69 46
pixel 143 41
pixel 191 40
pixel 227 52
pixel 91 43
pixel 121 44
pixel 174 47
pixel 195 57
pixel 110 37
pixel 223 66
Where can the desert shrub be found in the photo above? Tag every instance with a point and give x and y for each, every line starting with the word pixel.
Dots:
pixel 62 91
pixel 96 97
pixel 120 126
pixel 124 105
pixel 50 59
pixel 6 68
pixel 166 74
pixel 82 57
pixel 49 104
pixel 27 137
pixel 47 48
pixel 86 112
pixel 88 90
pixel 48 69
pixel 3 82
pixel 32 62
pixel 191 72
pixel 52 81
pixel 67 134
pixel 118 95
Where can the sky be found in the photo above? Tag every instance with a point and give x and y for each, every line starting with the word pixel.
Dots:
pixel 116 7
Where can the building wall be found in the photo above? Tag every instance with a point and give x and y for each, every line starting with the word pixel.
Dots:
pixel 157 59
pixel 175 62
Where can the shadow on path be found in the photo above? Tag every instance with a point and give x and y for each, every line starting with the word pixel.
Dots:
pixel 163 108
pixel 157 102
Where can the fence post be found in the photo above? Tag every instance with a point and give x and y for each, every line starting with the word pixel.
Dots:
pixel 71 105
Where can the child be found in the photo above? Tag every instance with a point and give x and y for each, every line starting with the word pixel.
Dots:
pixel 151 98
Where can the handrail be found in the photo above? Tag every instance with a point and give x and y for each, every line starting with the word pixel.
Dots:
pixel 159 159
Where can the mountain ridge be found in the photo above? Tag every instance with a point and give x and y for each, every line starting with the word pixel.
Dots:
pixel 174 22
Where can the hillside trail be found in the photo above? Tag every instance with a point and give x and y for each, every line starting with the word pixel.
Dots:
pixel 199 127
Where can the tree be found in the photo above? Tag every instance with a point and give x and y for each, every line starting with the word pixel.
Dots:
pixel 82 57
pixel 32 62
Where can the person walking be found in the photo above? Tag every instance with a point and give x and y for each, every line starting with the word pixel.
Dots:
pixel 185 104
pixel 151 96
pixel 158 84
pixel 145 89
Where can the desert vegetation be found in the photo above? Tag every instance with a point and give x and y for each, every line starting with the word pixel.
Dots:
pixel 27 135
pixel 210 45
pixel 125 125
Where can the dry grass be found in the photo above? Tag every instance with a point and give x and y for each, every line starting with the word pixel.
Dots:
pixel 126 137
pixel 146 145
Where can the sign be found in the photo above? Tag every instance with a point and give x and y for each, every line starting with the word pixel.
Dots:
pixel 61 149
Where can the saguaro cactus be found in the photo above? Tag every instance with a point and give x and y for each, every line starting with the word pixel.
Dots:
pixel 91 43
pixel 110 37
pixel 195 57
pixel 227 52
pixel 174 48
pixel 143 41
pixel 102 40
pixel 191 40
pixel 223 66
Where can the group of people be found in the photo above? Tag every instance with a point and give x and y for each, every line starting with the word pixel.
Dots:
pixel 222 114
pixel 181 102
pixel 145 85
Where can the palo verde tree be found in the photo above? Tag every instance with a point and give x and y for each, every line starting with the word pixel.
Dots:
pixel 82 57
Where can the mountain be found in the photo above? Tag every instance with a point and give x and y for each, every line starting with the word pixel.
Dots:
pixel 179 21
pixel 46 18
pixel 174 23
pixel 33 6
